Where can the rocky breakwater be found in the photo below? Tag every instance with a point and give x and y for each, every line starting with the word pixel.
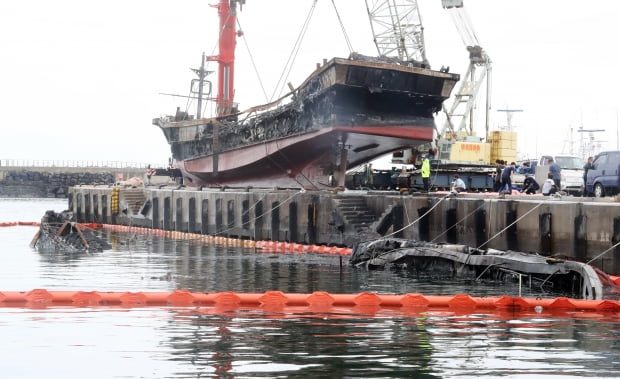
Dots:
pixel 41 182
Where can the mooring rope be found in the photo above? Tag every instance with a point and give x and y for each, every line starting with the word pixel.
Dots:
pixel 458 222
pixel 511 224
pixel 604 252
pixel 419 218
pixel 410 224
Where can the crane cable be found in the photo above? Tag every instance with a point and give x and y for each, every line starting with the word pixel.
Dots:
pixel 291 59
pixel 463 24
pixel 247 46
pixel 281 82
pixel 344 31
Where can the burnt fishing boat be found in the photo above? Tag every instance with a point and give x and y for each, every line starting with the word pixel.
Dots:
pixel 58 234
pixel 347 112
pixel 551 275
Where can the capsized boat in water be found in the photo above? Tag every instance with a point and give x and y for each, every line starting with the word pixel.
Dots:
pixel 550 275
pixel 58 234
pixel 347 112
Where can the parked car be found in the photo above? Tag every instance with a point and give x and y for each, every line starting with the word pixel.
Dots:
pixel 604 176
pixel 571 179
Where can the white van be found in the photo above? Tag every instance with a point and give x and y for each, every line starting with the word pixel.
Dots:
pixel 571 175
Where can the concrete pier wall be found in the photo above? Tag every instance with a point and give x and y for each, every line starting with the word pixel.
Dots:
pixel 571 227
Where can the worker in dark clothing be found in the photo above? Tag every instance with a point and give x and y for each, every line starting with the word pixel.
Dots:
pixel 586 168
pixel 499 167
pixel 507 178
pixel 556 171
pixel 530 185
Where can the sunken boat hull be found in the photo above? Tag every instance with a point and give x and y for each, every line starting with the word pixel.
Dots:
pixel 560 277
pixel 348 112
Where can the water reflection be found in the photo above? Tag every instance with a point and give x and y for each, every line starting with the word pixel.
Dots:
pixel 230 341
pixel 255 343
pixel 247 342
pixel 147 262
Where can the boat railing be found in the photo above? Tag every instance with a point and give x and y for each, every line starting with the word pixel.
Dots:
pixel 75 163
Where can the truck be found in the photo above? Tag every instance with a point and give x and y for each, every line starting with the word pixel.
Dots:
pixel 571 180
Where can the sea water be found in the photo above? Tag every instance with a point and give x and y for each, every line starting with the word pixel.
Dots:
pixel 195 341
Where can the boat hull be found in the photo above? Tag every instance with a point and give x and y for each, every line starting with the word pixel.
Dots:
pixel 308 160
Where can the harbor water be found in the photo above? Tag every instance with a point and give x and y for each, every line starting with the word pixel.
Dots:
pixel 199 341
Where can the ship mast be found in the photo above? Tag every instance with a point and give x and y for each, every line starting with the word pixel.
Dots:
pixel 227 11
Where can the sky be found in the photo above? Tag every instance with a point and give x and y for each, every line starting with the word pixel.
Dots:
pixel 82 80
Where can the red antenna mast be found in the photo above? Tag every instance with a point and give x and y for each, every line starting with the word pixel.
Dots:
pixel 227 11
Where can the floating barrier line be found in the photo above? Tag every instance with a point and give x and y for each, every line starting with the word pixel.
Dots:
pixel 42 297
pixel 267 246
pixel 20 223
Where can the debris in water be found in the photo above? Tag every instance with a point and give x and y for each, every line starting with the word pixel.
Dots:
pixel 59 234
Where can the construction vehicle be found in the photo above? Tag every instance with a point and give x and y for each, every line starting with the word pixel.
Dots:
pixel 397 28
pixel 457 147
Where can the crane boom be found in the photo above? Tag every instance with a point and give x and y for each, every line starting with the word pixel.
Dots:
pixel 397 28
pixel 227 10
pixel 460 115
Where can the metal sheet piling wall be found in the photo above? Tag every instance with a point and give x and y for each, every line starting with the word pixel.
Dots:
pixel 571 227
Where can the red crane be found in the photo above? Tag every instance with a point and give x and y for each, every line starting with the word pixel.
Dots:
pixel 227 11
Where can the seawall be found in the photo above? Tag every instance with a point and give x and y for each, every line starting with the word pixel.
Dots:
pixel 576 228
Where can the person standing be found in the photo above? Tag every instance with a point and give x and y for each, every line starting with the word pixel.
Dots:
pixel 586 168
pixel 369 179
pixel 499 167
pixel 556 171
pixel 426 173
pixel 149 173
pixel 507 178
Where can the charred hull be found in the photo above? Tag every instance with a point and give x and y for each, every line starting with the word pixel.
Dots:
pixel 346 113
pixel 557 276
pixel 58 234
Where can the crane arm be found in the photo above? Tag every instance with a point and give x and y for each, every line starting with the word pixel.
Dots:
pixel 397 28
pixel 461 112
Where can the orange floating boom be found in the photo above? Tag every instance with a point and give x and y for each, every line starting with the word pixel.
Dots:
pixel 42 297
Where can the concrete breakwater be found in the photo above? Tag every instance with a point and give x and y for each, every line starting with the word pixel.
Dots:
pixel 576 228
pixel 40 182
